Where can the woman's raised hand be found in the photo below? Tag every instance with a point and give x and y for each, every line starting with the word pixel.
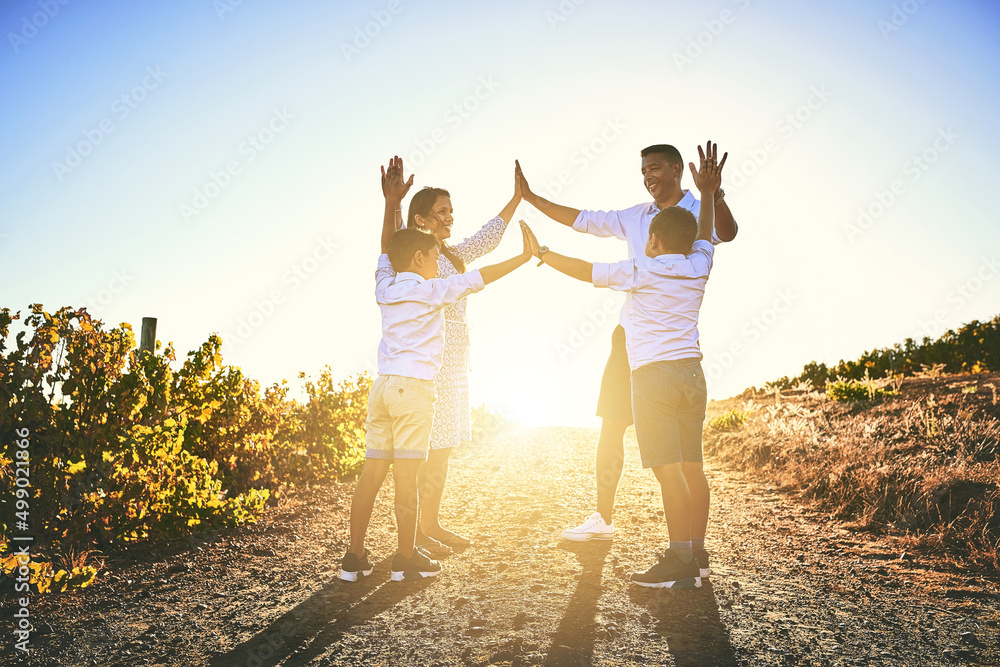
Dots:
pixel 394 188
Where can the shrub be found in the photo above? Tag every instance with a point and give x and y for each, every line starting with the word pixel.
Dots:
pixel 123 448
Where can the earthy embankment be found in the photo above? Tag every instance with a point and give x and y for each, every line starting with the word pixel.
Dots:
pixel 790 586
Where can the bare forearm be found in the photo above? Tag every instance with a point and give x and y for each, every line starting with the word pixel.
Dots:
pixel 497 271
pixel 390 222
pixel 557 212
pixel 571 266
pixel 725 224
pixel 706 216
pixel 508 211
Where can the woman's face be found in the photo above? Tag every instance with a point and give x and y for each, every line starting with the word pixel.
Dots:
pixel 439 220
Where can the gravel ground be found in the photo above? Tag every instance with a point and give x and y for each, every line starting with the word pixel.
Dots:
pixel 789 588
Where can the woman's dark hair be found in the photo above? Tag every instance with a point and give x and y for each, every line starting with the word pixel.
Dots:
pixel 423 204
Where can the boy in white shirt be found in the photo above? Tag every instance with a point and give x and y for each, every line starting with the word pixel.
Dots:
pixel 664 294
pixel 401 401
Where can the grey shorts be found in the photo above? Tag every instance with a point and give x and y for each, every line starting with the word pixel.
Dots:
pixel 668 402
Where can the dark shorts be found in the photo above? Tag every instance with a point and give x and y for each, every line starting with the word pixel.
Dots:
pixel 615 401
pixel 668 400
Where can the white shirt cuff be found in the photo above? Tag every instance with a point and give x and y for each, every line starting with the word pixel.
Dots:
pixel 476 279
pixel 601 274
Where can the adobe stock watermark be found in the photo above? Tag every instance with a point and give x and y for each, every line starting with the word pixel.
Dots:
pixel 697 45
pixel 960 295
pixel 119 281
pixel 292 279
pixel 787 126
pixel 914 167
pixel 248 150
pixel 580 334
pixel 363 35
pixel 223 7
pixel 30 25
pixel 454 117
pixel 751 332
pixel 585 154
pixel 121 108
pixel 562 12
pixel 899 17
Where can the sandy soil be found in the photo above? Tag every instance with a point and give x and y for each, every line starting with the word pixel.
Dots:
pixel 790 587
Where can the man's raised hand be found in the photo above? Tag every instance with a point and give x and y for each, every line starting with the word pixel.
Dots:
pixel 708 177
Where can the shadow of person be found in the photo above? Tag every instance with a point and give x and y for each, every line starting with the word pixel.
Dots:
pixel 688 623
pixel 573 641
pixel 315 624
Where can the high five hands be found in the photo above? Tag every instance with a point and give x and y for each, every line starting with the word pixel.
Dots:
pixel 708 178
pixel 530 242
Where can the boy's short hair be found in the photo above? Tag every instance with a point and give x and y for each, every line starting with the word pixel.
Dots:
pixel 672 154
pixel 405 243
pixel 675 227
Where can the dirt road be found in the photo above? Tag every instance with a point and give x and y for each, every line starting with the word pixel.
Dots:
pixel 789 587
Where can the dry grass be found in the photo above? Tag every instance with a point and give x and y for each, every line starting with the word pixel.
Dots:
pixel 923 464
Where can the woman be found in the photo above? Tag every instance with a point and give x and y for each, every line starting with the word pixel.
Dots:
pixel 431 209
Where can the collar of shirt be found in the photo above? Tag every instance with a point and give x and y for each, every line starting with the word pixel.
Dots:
pixel 654 209
pixel 409 275
pixel 669 258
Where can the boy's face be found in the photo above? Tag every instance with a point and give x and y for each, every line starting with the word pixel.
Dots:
pixel 659 175
pixel 425 264
pixel 653 248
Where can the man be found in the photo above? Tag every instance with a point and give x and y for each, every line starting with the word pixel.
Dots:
pixel 662 170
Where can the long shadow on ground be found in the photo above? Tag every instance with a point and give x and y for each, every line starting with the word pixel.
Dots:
pixel 573 641
pixel 317 623
pixel 689 624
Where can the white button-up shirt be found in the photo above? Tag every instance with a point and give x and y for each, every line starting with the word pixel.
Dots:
pixel 412 308
pixel 632 224
pixel 663 297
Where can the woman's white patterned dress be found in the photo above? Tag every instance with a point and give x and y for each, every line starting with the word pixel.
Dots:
pixel 452 413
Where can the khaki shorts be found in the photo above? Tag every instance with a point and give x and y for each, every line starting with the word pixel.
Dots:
pixel 668 400
pixel 400 413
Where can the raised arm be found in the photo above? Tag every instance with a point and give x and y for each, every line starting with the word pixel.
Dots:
pixel 572 267
pixel 394 188
pixel 725 224
pixel 496 271
pixel 563 214
pixel 707 179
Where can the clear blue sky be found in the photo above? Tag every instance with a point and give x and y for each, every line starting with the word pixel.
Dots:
pixel 215 165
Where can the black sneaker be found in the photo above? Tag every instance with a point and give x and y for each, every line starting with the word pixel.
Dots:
pixel 701 556
pixel 416 566
pixel 352 566
pixel 670 572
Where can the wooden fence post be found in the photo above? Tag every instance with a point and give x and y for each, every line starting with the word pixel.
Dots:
pixel 148 340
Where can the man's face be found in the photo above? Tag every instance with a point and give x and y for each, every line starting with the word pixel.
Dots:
pixel 660 176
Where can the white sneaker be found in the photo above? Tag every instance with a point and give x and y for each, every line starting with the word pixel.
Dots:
pixel 593 528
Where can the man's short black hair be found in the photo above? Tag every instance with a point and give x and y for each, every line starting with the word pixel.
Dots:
pixel 676 228
pixel 672 154
pixel 404 245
